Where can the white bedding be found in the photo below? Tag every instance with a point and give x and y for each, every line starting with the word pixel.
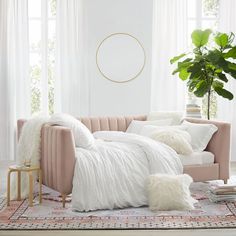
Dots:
pixel 113 173
pixel 197 158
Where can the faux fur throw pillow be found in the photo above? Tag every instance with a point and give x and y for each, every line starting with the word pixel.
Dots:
pixel 169 192
pixel 176 138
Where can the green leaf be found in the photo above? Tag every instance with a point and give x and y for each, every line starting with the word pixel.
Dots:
pixel 184 64
pixel 232 73
pixel 218 84
pixel 231 53
pixel 196 67
pixel 224 93
pixel 195 70
pixel 218 70
pixel 222 77
pixel 201 88
pixel 200 37
pixel 183 74
pixel 174 59
pixel 187 60
pixel 230 69
pixel 221 39
pixel 217 59
pixel 214 56
pixel 192 83
pixel 232 66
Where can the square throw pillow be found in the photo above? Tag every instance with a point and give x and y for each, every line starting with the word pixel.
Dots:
pixel 136 126
pixel 174 137
pixel 175 116
pixel 169 192
pixel 200 134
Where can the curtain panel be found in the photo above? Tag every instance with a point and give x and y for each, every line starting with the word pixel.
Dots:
pixel 14 72
pixel 71 87
pixel 226 108
pixel 169 39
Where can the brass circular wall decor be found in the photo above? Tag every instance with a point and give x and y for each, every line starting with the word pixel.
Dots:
pixel 120 57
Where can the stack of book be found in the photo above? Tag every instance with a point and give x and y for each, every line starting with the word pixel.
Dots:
pixel 222 193
pixel 193 110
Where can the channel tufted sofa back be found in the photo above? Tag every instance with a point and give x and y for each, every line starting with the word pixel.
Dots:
pixel 119 123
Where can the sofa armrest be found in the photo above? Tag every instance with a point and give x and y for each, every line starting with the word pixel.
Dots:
pixel 58 158
pixel 219 145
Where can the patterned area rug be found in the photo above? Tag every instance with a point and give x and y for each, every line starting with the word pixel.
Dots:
pixel 51 215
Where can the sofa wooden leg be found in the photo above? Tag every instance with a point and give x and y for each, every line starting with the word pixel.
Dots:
pixel 63 200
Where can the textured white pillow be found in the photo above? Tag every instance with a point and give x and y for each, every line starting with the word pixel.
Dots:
pixel 83 136
pixel 174 137
pixel 200 134
pixel 136 125
pixel 169 192
pixel 147 130
pixel 175 116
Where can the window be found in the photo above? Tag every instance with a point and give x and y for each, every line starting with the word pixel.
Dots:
pixel 42 34
pixel 203 14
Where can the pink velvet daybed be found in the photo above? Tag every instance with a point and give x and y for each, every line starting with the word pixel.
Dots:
pixel 58 151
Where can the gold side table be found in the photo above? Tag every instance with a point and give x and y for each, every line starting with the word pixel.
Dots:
pixel 30 171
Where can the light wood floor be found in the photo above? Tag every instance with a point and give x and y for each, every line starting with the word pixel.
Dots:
pixel 212 232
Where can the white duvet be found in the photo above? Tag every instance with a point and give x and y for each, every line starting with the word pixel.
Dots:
pixel 113 173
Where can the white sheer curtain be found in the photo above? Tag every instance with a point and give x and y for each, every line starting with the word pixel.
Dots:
pixel 72 90
pixel 169 40
pixel 226 108
pixel 14 68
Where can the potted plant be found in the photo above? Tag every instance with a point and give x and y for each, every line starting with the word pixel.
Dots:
pixel 209 65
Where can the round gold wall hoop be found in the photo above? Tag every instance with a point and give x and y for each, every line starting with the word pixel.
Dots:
pixel 138 73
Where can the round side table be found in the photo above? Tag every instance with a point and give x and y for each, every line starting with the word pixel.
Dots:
pixel 30 171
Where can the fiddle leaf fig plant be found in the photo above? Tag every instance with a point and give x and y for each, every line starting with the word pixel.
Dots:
pixel 209 65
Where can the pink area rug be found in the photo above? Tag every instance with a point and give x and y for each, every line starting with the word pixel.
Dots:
pixel 51 215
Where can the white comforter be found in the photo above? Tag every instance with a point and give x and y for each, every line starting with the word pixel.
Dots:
pixel 112 174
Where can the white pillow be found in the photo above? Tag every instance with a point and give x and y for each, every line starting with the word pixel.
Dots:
pixel 174 137
pixel 170 192
pixel 200 134
pixel 137 125
pixel 147 130
pixel 83 137
pixel 175 116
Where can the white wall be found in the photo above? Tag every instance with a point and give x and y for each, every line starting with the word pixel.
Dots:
pixel 102 18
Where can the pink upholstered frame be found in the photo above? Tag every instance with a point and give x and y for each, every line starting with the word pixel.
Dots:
pixel 58 151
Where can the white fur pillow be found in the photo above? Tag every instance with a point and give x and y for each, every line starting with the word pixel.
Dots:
pixel 83 136
pixel 169 192
pixel 174 137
